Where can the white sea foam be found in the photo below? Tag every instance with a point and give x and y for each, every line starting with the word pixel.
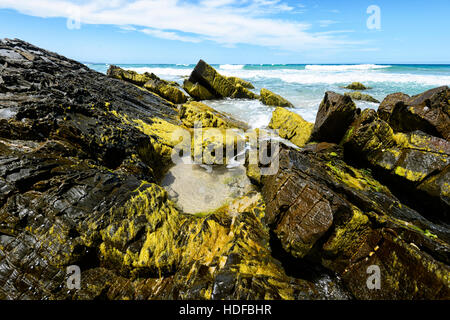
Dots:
pixel 231 66
pixel 312 76
pixel 316 67
pixel 322 77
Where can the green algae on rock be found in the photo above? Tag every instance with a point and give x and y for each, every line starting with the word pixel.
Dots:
pixel 218 85
pixel 165 89
pixel 272 99
pixel 356 86
pixel 341 217
pixel 196 112
pixel 242 82
pixel 291 126
pixel 415 163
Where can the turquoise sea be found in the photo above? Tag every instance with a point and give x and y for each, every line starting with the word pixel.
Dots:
pixel 305 85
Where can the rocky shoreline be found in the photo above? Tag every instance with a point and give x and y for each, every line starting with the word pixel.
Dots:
pixel 84 156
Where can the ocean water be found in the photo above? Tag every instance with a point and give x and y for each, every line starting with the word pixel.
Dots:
pixel 305 85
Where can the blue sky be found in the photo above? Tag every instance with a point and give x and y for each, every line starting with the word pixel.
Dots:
pixel 232 31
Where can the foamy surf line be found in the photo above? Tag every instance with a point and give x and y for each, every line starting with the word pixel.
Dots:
pixel 312 74
pixel 317 67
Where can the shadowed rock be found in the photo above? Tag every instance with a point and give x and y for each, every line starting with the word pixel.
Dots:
pixel 336 113
pixel 387 105
pixel 428 112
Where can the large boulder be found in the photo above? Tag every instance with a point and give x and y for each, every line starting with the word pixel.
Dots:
pixel 428 112
pixel 414 164
pixel 387 105
pixel 165 89
pixel 272 99
pixel 324 210
pixel 291 126
pixel 218 85
pixel 336 113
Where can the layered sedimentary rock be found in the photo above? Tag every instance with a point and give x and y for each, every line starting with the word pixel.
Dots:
pixel 291 126
pixel 165 89
pixel 322 209
pixel 272 99
pixel 81 160
pixel 204 77
pixel 416 164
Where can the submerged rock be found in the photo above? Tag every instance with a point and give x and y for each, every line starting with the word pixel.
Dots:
pixel 291 126
pixel 151 82
pixel 361 96
pixel 336 113
pixel 272 99
pixel 216 84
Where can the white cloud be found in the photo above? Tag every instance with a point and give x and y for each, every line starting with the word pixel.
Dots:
pixel 326 23
pixel 228 22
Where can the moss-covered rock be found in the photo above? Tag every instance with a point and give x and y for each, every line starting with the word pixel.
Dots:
pixel 165 89
pixel 357 223
pixel 197 112
pixel 356 86
pixel 197 91
pixel 410 160
pixel 291 126
pixel 242 82
pixel 218 85
pixel 336 113
pixel 428 112
pixel 361 96
pixel 272 99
